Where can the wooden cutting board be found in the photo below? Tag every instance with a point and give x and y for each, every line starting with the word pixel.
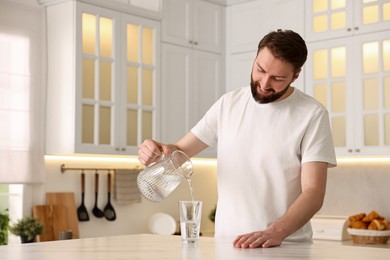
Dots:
pixel 52 217
pixel 66 199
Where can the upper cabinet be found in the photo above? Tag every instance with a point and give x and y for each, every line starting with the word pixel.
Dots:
pixel 192 65
pixel 350 76
pixel 144 8
pixel 102 80
pixel 326 19
pixel 246 24
pixel 193 23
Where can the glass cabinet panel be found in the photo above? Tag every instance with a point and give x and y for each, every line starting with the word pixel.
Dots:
pixel 132 85
pixel 105 37
pixel 88 78
pixel 132 127
pixel 105 79
pixel 88 124
pixel 132 42
pixel 88 33
pixel 105 125
pixel 147 87
pixel 147 46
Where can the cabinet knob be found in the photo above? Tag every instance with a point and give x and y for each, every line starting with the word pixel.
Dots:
pixel 349 29
pixel 190 41
pixel 123 149
pixel 117 149
pixel 196 43
pixel 356 28
pixel 350 150
pixel 357 150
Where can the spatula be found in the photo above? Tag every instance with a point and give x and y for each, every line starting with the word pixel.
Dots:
pixel 82 212
pixel 109 211
pixel 96 211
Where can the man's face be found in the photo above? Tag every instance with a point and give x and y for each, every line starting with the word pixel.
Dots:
pixel 271 77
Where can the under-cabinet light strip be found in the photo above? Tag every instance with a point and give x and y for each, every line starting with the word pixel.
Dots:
pixel 200 161
pixel 129 159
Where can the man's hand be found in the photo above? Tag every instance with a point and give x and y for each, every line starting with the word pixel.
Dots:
pixel 151 151
pixel 265 238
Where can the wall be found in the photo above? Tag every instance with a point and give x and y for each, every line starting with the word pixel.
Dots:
pixel 131 218
pixel 358 187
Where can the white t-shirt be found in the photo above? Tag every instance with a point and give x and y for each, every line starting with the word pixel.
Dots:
pixel 261 148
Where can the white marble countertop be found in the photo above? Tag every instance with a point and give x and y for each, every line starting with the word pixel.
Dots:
pixel 147 246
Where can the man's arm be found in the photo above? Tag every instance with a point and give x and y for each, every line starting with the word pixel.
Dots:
pixel 313 181
pixel 191 145
pixel 150 150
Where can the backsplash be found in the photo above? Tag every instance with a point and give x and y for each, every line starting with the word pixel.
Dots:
pixel 358 187
pixel 130 218
pixel 351 188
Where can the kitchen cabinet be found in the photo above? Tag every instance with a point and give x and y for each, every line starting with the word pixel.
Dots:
pixel 144 8
pixel 350 76
pixel 348 71
pixel 191 83
pixel 327 19
pixel 246 24
pixel 192 65
pixel 193 24
pixel 103 74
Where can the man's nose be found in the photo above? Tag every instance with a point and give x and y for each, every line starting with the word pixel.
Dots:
pixel 265 82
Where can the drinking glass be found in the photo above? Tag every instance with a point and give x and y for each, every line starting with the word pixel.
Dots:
pixel 190 216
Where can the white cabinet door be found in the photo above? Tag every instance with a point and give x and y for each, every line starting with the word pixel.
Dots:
pixel 372 75
pixel 140 77
pixel 330 79
pixel 207 28
pixel 327 19
pixel 102 80
pixel 191 84
pixel 176 82
pixel 351 78
pixel 248 22
pixel 194 24
pixel 207 79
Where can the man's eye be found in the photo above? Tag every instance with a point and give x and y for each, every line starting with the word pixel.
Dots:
pixel 279 79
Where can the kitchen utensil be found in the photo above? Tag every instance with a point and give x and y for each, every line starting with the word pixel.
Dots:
pixel 67 218
pixel 53 218
pixel 109 211
pixel 82 212
pixel 158 180
pixel 96 211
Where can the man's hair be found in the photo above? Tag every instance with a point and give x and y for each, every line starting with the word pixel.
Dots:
pixel 286 45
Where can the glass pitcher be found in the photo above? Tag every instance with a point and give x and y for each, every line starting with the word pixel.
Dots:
pixel 158 180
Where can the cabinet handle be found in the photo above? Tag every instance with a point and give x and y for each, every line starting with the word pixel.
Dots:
pixel 350 150
pixel 357 150
pixel 196 43
pixel 123 149
pixel 190 42
pixel 349 29
pixel 117 149
pixel 356 28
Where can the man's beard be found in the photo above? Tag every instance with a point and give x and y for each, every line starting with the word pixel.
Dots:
pixel 263 99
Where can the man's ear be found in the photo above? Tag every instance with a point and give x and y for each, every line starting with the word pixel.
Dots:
pixel 296 75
